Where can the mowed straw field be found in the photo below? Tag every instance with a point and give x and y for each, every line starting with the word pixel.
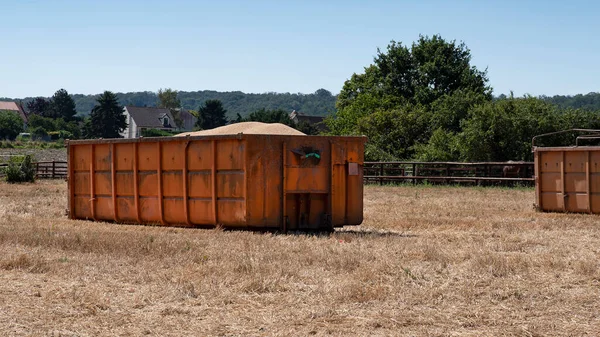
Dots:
pixel 428 261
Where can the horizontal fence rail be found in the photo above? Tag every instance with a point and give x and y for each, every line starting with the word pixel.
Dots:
pixel 481 173
pixel 46 169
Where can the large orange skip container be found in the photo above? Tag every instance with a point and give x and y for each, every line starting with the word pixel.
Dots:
pixel 239 181
pixel 567 179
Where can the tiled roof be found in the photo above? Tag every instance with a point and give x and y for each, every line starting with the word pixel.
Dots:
pixel 13 106
pixel 150 117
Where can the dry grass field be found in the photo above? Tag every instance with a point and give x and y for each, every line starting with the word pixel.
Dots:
pixel 428 261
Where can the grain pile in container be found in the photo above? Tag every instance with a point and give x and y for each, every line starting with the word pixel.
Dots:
pixel 246 175
pixel 567 178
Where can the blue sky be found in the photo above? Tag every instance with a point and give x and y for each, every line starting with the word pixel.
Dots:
pixel 536 47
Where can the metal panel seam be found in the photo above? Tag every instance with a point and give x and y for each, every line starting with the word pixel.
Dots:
pixel 185 185
pixel 92 187
pixel 136 188
pixel 113 176
pixel 214 182
pixel 160 192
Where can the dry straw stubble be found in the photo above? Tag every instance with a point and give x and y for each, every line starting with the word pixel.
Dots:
pixel 427 261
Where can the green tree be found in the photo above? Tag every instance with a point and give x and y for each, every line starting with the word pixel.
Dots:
pixel 407 93
pixel 270 116
pixel 39 106
pixel 107 119
pixel 502 130
pixel 307 128
pixel 167 98
pixel 11 125
pixel 211 115
pixel 37 121
pixel 62 105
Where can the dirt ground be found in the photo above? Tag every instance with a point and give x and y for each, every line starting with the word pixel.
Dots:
pixel 38 154
pixel 428 261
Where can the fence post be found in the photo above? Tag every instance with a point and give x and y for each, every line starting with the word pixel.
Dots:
pixel 381 174
pixel 53 169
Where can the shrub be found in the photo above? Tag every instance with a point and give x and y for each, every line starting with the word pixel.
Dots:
pixel 157 133
pixel 10 125
pixel 64 134
pixel 20 169
pixel 39 133
pixel 23 137
pixel 54 135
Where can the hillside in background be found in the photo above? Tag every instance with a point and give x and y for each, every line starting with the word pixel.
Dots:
pixel 589 101
pixel 319 103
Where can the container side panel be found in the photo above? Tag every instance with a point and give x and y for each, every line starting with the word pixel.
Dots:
pixel 125 184
pixel 339 196
pixel 82 183
pixel 82 207
pixel 199 156
pixel 126 209
pixel 201 211
pixel 104 208
pixel 103 183
pixel 147 156
pixel 230 184
pixel 595 201
pixel 595 182
pixel 232 213
pixel 272 189
pixel 172 157
pixel 594 161
pixel 355 182
pixel 230 155
pixel 355 199
pixel 256 171
pixel 174 213
pixel 552 201
pixel 550 161
pixel 316 207
pixel 102 157
pixel 199 184
pixel 576 202
pixel 124 157
pixel 575 161
pixel 149 210
pixel 575 182
pixel 81 157
pixel 550 182
pixel 264 174
pixel 148 184
pixel 172 184
pixel 309 179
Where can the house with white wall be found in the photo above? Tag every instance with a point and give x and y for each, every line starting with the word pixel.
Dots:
pixel 141 118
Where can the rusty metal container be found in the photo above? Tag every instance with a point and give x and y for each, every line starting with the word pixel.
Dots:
pixel 567 179
pixel 237 181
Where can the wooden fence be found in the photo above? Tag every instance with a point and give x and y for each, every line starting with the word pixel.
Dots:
pixel 47 169
pixel 483 173
pixel 505 173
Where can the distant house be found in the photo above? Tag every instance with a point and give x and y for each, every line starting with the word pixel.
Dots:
pixel 142 118
pixel 13 106
pixel 189 120
pixel 316 121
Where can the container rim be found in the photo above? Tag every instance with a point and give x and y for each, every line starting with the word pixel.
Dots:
pixel 238 136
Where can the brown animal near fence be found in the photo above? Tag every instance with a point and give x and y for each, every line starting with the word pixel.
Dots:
pixel 511 171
